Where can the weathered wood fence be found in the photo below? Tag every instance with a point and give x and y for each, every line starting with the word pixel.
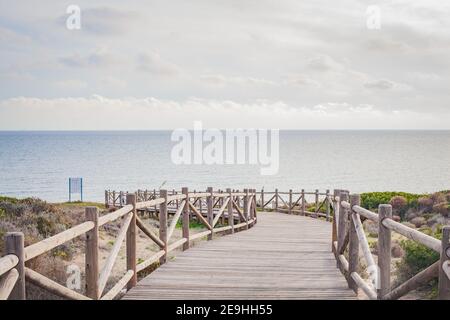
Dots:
pixel 348 238
pixel 236 210
pixel 291 202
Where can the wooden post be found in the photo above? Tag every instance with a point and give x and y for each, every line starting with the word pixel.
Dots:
pixel 210 215
pixel 253 209
pixel 14 244
pixel 154 197
pixel 114 199
pixel 230 211
pixel 200 205
pixel 262 199
pixel 316 206
pixel 131 242
pixel 276 199
pixel 444 281
pixel 91 256
pixel 327 204
pixel 245 205
pixel 290 202
pixel 303 202
pixel 343 218
pixel 383 279
pixel 185 219
pixel 223 215
pixel 121 200
pixel 163 224
pixel 353 244
pixel 334 224
pixel 238 203
pixel 106 199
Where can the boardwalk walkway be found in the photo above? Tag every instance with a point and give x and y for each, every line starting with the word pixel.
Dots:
pixel 282 257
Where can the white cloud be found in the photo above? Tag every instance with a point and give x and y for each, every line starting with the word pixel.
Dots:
pixel 71 84
pixel 222 80
pixel 99 58
pixel 304 53
pixel 101 113
pixel 324 63
pixel 302 81
pixel 384 84
pixel 153 63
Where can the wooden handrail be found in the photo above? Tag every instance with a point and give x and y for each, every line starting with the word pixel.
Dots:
pixel 240 206
pixel 12 270
pixel 7 283
pixel 382 271
pixel 7 263
pixel 38 248
pixel 109 263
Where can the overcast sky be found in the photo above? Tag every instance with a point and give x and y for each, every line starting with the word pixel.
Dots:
pixel 230 63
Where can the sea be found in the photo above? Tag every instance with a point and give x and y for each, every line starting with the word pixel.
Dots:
pixel 39 163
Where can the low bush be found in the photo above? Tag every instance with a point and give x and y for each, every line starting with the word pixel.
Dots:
pixel 371 200
pixel 416 258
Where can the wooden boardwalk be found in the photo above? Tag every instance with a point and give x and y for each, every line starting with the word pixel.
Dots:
pixel 281 257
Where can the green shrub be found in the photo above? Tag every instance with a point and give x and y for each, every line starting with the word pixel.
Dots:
pixel 372 200
pixel 417 257
pixel 193 224
pixel 399 205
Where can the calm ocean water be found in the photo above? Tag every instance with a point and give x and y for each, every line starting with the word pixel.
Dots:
pixel 39 163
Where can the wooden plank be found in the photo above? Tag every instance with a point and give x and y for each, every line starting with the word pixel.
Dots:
pixel 185 219
pixel 48 244
pixel 239 211
pixel 140 224
pixel 7 263
pixel 111 294
pixel 52 286
pixel 354 242
pixel 163 224
pixel 230 210
pixel 413 234
pixel 369 291
pixel 14 244
pixel 131 249
pixel 91 256
pixel 210 208
pixel 384 252
pixel 200 216
pixel 7 283
pixel 220 212
pixel 444 280
pixel 420 279
pixel 176 244
pixel 114 215
pixel 174 221
pixel 364 244
pixel 107 267
pixel 154 258
pixel 282 257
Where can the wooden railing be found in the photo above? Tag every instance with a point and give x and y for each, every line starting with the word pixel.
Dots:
pixel 322 200
pixel 348 238
pixel 236 209
pixel 292 202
